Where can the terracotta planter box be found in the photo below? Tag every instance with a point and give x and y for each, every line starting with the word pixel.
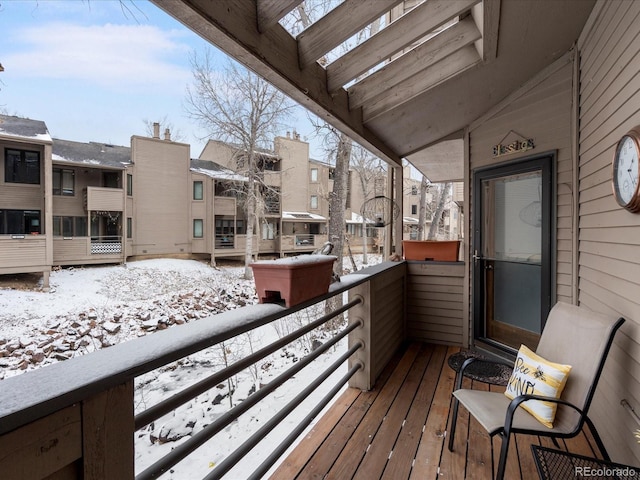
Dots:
pixel 294 279
pixel 439 251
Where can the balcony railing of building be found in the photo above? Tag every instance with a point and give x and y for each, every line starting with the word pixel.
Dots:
pixel 106 244
pixel 225 241
pixel 76 419
pixel 103 198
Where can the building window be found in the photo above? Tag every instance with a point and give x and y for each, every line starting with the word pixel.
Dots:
pixel 22 166
pixel 268 231
pixel 129 227
pixel 198 228
pixel 198 190
pixel 70 226
pixel 414 189
pixel 240 227
pixel 314 174
pixel 19 222
pixel 111 179
pixel 63 182
pixel 314 202
pixel 129 184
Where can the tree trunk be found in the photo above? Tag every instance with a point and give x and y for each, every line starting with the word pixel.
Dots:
pixel 364 241
pixel 338 200
pixel 422 213
pixel 251 221
pixel 433 230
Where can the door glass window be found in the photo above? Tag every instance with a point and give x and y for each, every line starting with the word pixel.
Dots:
pixel 513 242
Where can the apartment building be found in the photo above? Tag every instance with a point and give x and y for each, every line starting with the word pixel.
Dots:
pixel 25 197
pixel 449 224
pixel 72 203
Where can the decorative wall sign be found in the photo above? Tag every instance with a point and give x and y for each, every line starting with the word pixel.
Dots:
pixel 518 145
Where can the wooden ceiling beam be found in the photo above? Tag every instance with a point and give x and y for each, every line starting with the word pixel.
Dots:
pixel 271 11
pixel 434 75
pixel 231 25
pixel 400 34
pixel 339 25
pixel 414 61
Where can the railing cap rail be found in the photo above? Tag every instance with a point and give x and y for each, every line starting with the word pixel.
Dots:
pixel 38 393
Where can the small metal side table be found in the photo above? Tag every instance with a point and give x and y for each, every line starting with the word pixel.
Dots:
pixel 483 369
pixel 559 465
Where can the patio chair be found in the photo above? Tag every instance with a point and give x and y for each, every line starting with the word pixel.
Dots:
pixel 572 336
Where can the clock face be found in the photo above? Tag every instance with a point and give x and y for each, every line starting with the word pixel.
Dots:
pixel 626 171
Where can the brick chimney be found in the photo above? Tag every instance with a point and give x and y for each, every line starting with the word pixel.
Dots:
pixel 167 135
pixel 156 130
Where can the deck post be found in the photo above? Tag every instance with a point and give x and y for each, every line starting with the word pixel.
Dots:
pixel 107 434
pixel 361 312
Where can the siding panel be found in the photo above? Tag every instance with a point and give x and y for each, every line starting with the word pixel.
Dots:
pixel 435 302
pixel 541 111
pixel 609 258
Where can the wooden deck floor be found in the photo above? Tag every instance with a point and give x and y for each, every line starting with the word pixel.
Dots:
pixel 398 430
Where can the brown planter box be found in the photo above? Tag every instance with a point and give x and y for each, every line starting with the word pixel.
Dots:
pixel 294 279
pixel 439 251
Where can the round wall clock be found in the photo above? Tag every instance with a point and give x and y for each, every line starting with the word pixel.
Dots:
pixel 626 171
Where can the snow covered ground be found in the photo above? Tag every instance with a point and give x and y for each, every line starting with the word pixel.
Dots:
pixel 94 307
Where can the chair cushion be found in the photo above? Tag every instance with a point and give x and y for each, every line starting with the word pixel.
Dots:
pixel 535 375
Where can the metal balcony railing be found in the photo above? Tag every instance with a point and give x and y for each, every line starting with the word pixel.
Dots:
pixel 183 450
pixel 88 401
pixel 109 244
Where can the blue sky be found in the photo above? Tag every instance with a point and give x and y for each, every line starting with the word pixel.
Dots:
pixel 96 70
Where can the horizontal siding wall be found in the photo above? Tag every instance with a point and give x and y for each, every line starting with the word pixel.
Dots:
pixel 387 296
pixel 609 235
pixel 27 252
pixel 435 302
pixel 541 110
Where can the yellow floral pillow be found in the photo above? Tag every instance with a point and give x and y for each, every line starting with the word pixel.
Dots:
pixel 534 375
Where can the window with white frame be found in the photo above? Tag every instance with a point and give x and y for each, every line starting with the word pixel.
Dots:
pixel 314 174
pixel 314 202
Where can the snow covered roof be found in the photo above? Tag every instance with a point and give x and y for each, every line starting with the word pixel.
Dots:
pixel 16 127
pixel 355 218
pixel 91 154
pixel 263 152
pixel 215 170
pixel 302 217
pixel 409 220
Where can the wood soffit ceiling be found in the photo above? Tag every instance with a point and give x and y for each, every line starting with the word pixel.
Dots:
pixel 423 78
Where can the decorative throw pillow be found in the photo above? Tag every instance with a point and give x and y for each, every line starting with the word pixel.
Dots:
pixel 534 375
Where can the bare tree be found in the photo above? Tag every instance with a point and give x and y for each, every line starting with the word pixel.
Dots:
pixel 176 134
pixel 368 169
pixel 239 107
pixel 422 211
pixel 443 196
pixel 341 145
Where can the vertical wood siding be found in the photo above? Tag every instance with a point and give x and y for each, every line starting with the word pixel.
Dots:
pixel 435 302
pixel 162 195
pixel 609 261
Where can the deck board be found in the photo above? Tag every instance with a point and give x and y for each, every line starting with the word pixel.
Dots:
pixel 398 430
